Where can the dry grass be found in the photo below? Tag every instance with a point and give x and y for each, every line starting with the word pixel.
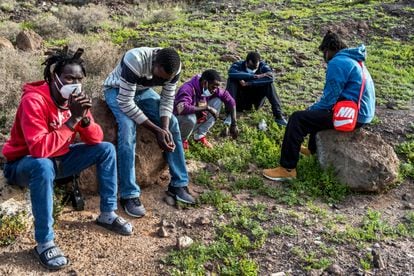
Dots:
pixel 16 68
pixel 49 26
pixel 84 19
pixel 9 30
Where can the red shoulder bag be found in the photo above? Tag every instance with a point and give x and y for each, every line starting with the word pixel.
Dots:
pixel 345 113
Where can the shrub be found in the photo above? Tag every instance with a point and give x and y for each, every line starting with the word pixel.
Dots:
pixel 100 56
pixel 84 19
pixel 162 16
pixel 9 30
pixel 49 26
pixel 16 68
pixel 11 227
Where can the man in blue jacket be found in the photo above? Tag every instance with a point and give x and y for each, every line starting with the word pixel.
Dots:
pixel 250 81
pixel 343 82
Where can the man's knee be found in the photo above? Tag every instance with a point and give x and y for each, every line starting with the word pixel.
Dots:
pixel 106 147
pixel 43 167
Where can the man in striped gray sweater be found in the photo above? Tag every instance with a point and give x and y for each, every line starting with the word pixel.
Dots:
pixel 129 94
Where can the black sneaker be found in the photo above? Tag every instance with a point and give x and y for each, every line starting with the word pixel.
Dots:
pixel 181 194
pixel 133 207
pixel 281 121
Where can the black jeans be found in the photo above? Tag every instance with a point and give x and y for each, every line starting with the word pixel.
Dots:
pixel 302 123
pixel 246 97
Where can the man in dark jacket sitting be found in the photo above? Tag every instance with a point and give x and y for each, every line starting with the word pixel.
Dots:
pixel 250 82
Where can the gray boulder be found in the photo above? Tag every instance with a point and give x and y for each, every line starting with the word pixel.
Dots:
pixel 361 159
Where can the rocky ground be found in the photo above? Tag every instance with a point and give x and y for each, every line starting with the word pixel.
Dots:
pixel 93 250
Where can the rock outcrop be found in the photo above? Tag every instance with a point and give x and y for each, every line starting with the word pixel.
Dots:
pixel 150 165
pixel 28 40
pixel 361 159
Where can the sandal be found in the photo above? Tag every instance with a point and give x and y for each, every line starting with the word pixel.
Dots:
pixel 117 226
pixel 50 254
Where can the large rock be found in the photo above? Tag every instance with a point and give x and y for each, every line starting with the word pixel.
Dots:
pixel 13 199
pixel 5 43
pixel 150 165
pixel 28 40
pixel 362 160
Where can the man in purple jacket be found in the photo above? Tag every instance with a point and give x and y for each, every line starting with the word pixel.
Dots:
pixel 197 105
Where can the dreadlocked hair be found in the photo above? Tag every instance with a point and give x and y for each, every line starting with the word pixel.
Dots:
pixel 332 41
pixel 168 59
pixel 58 58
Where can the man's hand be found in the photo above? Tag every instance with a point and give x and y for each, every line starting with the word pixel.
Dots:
pixel 79 105
pixel 213 112
pixel 165 140
pixel 234 131
pixel 243 83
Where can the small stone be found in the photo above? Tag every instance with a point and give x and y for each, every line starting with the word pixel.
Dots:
pixel 377 259
pixel 211 168
pixel 376 245
pixel 335 269
pixel 314 272
pixel 164 223
pixel 408 206
pixel 169 200
pixel 289 245
pixel 209 266
pixel 162 232
pixel 279 274
pixel 203 221
pixel 184 242
pixel 406 197
pixel 72 272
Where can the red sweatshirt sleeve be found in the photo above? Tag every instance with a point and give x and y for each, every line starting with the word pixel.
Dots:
pixel 34 124
pixel 91 134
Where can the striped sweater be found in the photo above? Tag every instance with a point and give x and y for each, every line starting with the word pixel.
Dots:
pixel 133 74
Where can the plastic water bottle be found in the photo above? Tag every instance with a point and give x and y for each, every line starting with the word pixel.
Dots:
pixel 262 125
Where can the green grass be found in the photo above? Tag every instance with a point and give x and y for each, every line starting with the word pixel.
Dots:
pixel 11 227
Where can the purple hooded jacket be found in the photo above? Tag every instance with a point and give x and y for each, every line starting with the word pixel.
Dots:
pixel 190 94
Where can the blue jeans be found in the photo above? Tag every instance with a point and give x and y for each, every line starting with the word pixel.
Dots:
pixel 149 102
pixel 39 173
pixel 188 123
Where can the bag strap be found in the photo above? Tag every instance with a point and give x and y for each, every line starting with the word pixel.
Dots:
pixel 363 83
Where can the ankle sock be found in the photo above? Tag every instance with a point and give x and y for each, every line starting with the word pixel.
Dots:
pixel 41 247
pixel 107 217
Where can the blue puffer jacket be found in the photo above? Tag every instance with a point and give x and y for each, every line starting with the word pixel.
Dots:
pixel 343 81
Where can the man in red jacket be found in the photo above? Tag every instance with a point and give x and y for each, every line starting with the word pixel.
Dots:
pixel 40 149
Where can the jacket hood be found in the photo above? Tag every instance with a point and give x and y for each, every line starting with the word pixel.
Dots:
pixel 39 88
pixel 359 53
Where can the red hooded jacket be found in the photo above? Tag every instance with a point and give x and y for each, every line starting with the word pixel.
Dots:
pixel 39 128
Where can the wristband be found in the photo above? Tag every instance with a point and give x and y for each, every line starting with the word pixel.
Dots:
pixel 85 122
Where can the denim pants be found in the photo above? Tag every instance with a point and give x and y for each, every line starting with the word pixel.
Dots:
pixel 39 173
pixel 149 102
pixel 188 123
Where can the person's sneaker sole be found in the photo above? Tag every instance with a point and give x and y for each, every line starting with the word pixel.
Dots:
pixel 134 215
pixel 278 178
pixel 177 198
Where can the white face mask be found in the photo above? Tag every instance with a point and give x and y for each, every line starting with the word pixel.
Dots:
pixel 206 92
pixel 250 70
pixel 68 89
